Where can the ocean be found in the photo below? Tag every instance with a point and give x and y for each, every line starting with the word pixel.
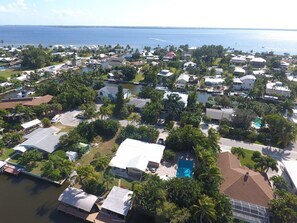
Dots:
pixel 278 41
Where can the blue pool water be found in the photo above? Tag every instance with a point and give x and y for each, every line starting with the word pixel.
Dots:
pixel 185 168
pixel 257 123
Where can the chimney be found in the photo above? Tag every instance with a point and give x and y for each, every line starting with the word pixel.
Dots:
pixel 246 176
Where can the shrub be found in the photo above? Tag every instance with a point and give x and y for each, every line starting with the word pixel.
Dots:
pixel 46 122
pixel 169 155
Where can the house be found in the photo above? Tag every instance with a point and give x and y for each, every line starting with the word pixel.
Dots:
pixel 165 73
pixel 277 88
pixel 258 62
pixel 291 174
pixel 169 56
pixel 138 103
pixel 133 157
pixel 189 65
pixel 250 192
pixel 183 80
pixel 219 114
pixel 218 71
pixel 238 71
pixel 118 202
pixel 284 65
pixel 113 62
pixel 77 202
pixel 214 81
pixel 111 92
pixel 238 60
pixel 183 97
pixel 11 103
pixel 244 83
pixel 43 139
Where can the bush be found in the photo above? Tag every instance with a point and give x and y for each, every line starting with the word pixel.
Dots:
pixel 143 133
pixel 169 155
pixel 46 122
pixel 102 162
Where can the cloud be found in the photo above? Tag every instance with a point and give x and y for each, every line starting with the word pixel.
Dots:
pixel 16 6
pixel 69 12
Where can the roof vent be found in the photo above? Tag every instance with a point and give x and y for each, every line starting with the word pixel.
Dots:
pixel 246 176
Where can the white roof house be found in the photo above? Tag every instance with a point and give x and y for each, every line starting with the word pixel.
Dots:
pixel 189 64
pixel 290 167
pixel 244 83
pixel 165 73
pixel 239 71
pixel 118 201
pixel 238 60
pixel 214 81
pixel 182 80
pixel 258 62
pixel 277 88
pixel 219 114
pixel 78 198
pixel 31 124
pixel 136 154
pixel 183 97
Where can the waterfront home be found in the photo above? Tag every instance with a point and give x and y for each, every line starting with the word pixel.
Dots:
pixel 291 174
pixel 244 83
pixel 78 203
pixel 214 81
pixel 165 73
pixel 113 62
pixel 183 80
pixel 111 93
pixel 258 62
pixel 133 157
pixel 277 88
pixel 183 97
pixel 189 65
pixel 238 71
pixel 11 103
pixel 43 139
pixel 238 60
pixel 220 113
pixel 117 203
pixel 250 192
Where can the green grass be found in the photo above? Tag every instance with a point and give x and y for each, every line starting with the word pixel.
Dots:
pixel 139 77
pixel 247 159
pixel 7 153
pixel 8 73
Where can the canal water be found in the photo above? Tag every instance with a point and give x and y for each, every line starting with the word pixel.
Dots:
pixel 29 200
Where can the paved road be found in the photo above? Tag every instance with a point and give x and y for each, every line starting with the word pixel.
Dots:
pixel 276 153
pixel 68 118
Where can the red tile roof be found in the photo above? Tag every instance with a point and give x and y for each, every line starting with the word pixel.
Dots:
pixel 12 103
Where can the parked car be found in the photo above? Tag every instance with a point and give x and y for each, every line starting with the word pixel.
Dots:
pixel 153 170
pixel 56 119
pixel 161 141
pixel 80 116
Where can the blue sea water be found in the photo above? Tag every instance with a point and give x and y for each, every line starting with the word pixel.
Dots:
pixel 278 41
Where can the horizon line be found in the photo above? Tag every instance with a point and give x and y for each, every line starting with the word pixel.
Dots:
pixel 159 27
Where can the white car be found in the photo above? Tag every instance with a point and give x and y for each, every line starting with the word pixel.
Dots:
pixel 55 119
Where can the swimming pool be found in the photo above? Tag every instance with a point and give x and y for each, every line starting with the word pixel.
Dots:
pixel 257 123
pixel 185 168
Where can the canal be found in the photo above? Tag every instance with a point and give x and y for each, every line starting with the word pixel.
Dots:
pixel 28 200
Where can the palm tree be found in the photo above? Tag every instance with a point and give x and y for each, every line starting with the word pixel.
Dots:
pixel 238 151
pixel 286 107
pixel 135 118
pixel 173 105
pixel 104 112
pixel 205 209
pixel 108 180
pixel 265 163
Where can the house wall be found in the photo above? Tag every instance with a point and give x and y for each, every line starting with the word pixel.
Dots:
pixel 134 172
pixel 273 91
pixel 248 84
pixel 258 64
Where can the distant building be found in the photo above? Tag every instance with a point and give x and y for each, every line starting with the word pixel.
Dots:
pixel 11 103
pixel 111 93
pixel 277 88
pixel 183 97
pixel 219 114
pixel 183 80
pixel 284 65
pixel 189 65
pixel 238 60
pixel 250 191
pixel 218 71
pixel 138 103
pixel 169 56
pixel 258 62
pixel 165 73
pixel 244 83
pixel 238 71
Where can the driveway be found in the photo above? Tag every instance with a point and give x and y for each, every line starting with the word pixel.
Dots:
pixel 68 118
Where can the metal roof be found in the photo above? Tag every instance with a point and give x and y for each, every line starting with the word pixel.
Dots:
pixel 46 139
pixel 118 201
pixel 78 198
pixel 31 123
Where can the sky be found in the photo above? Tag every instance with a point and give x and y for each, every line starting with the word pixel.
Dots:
pixel 273 14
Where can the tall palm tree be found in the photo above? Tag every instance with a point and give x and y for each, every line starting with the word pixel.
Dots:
pixel 204 209
pixel 238 151
pixel 265 163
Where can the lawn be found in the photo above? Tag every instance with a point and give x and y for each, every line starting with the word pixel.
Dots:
pixel 139 77
pixel 247 159
pixel 7 73
pixel 7 153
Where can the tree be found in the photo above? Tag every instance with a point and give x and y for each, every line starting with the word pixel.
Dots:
pixel 34 58
pixel 46 122
pixel 279 183
pixel 238 151
pixel 151 112
pixel 29 158
pixel 204 209
pixel 105 111
pixel 128 72
pixel 265 163
pixel 119 101
pixel 284 207
pixel 174 106
pixel 282 132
